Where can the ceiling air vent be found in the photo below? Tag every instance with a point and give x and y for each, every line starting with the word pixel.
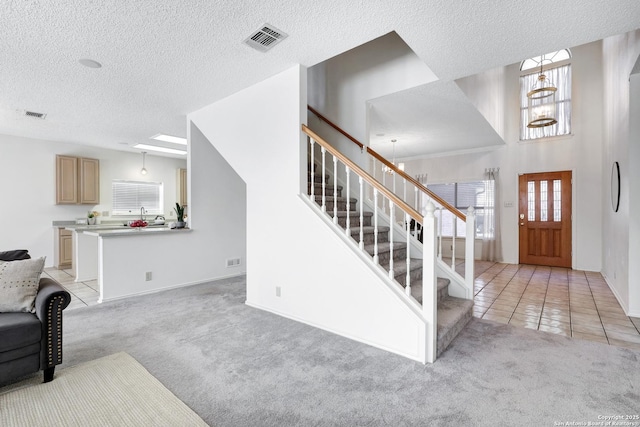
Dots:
pixel 35 115
pixel 265 38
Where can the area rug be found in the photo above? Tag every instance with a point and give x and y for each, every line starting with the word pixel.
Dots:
pixel 111 391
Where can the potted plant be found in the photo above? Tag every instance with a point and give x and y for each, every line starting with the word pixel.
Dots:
pixel 91 217
pixel 180 213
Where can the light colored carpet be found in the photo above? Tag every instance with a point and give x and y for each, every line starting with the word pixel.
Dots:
pixel 111 391
pixel 237 366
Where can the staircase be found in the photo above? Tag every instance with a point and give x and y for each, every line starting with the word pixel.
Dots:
pixel 452 313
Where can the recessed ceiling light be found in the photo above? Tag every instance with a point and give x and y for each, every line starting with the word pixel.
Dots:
pixel 161 149
pixel 169 138
pixel 90 63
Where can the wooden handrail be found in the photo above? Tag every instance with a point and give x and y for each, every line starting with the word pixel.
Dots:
pixel 330 123
pixel 391 166
pixel 360 172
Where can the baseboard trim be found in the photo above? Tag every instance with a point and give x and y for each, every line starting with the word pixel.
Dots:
pixel 414 357
pixel 618 298
pixel 167 288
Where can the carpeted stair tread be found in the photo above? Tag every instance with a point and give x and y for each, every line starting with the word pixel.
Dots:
pixel 317 178
pixel 352 214
pixel 329 198
pixel 385 247
pixel 400 268
pixel 453 315
pixel 368 229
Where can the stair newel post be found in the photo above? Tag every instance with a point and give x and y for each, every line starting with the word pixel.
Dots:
pixel 361 182
pixel 335 190
pixel 324 184
pixel 407 220
pixel 469 255
pixel 375 226
pixel 391 223
pixel 313 172
pixel 429 288
pixel 348 227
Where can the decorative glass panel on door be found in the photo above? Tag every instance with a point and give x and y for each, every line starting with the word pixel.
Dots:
pixel 557 200
pixel 544 208
pixel 531 200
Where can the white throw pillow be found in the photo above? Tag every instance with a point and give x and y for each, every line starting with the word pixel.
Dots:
pixel 19 282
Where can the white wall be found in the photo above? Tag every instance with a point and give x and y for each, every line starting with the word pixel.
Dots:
pixel 620 269
pixel 217 203
pixel 28 174
pixel 579 153
pixel 322 281
pixel 341 86
pixel 634 192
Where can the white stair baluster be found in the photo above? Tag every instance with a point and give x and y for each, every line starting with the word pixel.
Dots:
pixel 335 189
pixel 439 224
pixel 324 184
pixel 391 223
pixel 407 288
pixel 415 198
pixel 393 177
pixel 384 184
pixel 375 226
pixel 348 228
pixel 313 172
pixel 453 241
pixel 360 181
pixel 404 189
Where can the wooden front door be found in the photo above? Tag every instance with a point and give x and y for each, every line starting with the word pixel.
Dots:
pixel 545 219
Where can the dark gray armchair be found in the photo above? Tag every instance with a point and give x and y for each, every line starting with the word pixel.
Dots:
pixel 30 342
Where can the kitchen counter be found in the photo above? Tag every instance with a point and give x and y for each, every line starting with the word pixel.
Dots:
pixel 135 231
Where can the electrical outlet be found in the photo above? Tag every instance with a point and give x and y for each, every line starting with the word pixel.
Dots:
pixel 147 276
pixel 278 291
pixel 232 262
pixel 105 213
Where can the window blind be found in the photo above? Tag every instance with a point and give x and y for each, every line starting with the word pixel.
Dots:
pixel 130 196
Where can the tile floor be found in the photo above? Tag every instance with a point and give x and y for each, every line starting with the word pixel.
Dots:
pixel 83 294
pixel 562 301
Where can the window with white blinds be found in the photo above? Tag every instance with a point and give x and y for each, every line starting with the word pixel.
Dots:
pixel 461 195
pixel 130 196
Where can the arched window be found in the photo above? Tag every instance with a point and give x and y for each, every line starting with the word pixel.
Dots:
pixel 557 68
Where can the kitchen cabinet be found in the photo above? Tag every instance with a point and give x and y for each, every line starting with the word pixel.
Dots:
pixel 77 180
pixel 181 185
pixel 65 248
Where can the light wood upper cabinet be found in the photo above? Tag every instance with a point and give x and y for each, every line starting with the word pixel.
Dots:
pixel 181 185
pixel 77 180
pixel 89 181
pixel 66 180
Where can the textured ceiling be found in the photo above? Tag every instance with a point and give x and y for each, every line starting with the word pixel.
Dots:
pixel 165 58
pixel 429 119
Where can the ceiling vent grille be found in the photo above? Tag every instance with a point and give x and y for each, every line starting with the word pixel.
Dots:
pixel 35 115
pixel 265 38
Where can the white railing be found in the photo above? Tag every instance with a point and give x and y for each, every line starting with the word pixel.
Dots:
pixel 417 195
pixel 386 207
